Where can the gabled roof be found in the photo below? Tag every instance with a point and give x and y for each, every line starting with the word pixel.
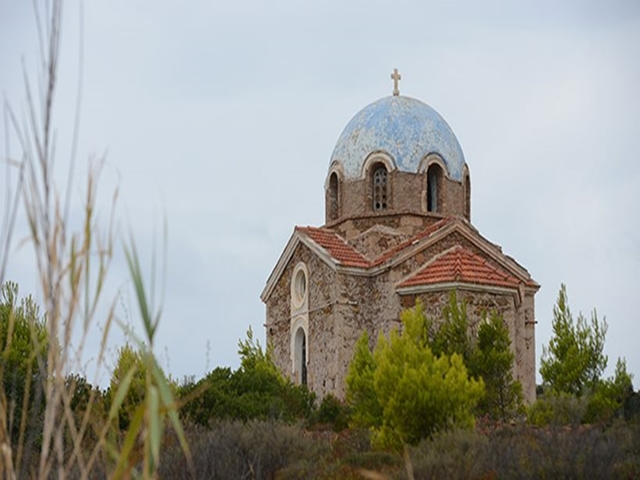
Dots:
pixel 460 265
pixel 340 250
pixel 490 267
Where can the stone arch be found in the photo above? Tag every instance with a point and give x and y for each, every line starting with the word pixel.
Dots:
pixel 333 192
pixel 299 329
pixel 377 169
pixel 377 158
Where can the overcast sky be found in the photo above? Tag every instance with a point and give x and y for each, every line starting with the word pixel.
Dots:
pixel 222 115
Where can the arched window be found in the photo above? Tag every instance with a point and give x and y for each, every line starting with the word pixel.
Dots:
pixel 467 197
pixel 334 197
pixel 300 356
pixel 380 188
pixel 434 188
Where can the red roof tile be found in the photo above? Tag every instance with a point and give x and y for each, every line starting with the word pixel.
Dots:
pixel 461 265
pixel 336 246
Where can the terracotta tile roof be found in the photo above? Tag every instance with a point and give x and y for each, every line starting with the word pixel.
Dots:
pixel 461 265
pixel 416 238
pixel 336 246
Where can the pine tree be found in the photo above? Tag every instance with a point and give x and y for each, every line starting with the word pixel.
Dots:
pixel 574 361
pixel 493 362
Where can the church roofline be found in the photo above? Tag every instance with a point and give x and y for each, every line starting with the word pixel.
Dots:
pixel 459 264
pixel 336 254
pixel 332 249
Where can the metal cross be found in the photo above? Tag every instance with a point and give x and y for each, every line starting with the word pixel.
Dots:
pixel 395 76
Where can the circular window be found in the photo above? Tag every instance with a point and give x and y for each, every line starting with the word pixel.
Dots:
pixel 299 286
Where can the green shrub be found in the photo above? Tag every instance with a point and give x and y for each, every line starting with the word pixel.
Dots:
pixel 557 409
pixel 332 412
pixel 255 391
pixel 406 393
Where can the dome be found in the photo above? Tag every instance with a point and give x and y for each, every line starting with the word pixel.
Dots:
pixel 403 127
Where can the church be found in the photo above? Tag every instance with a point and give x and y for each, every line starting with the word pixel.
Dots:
pixel 397 229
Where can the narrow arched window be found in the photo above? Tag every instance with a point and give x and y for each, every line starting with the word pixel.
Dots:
pixel 467 197
pixel 300 356
pixel 380 187
pixel 434 188
pixel 334 198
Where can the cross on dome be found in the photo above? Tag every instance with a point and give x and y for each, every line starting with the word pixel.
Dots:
pixel 395 76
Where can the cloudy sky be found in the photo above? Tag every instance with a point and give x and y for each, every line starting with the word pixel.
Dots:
pixel 222 116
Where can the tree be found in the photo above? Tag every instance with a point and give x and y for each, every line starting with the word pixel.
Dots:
pixel 610 396
pixel 487 356
pixel 574 360
pixel 361 394
pixel 493 362
pixel 452 335
pixel 130 361
pixel 24 346
pixel 417 392
pixel 256 390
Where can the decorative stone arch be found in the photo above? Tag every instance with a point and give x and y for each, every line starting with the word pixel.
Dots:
pixel 377 168
pixel 375 158
pixel 430 159
pixel 466 185
pixel 299 330
pixel 436 170
pixel 333 192
pixel 300 288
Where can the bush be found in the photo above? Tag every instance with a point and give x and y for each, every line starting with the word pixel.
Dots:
pixel 232 449
pixel 255 391
pixel 529 453
pixel 557 409
pixel 332 412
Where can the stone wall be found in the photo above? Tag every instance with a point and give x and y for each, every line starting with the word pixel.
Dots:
pixel 407 193
pixel 341 306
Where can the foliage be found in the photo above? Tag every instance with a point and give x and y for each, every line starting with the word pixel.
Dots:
pixel 233 449
pixel 332 412
pixel 607 400
pixel 572 367
pixel 24 345
pixel 452 334
pixel 130 361
pixel 557 408
pixel 366 410
pixel 256 390
pixel 492 360
pixel 417 392
pixel 159 406
pixel 530 453
pixel 266 450
pixel 574 360
pixel 487 357
pixel 610 396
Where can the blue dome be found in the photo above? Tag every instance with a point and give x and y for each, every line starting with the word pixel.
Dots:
pixel 405 128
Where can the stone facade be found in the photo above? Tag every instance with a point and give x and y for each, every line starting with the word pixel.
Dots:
pixel 395 232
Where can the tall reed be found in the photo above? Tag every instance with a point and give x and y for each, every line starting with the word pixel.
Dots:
pixel 72 269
